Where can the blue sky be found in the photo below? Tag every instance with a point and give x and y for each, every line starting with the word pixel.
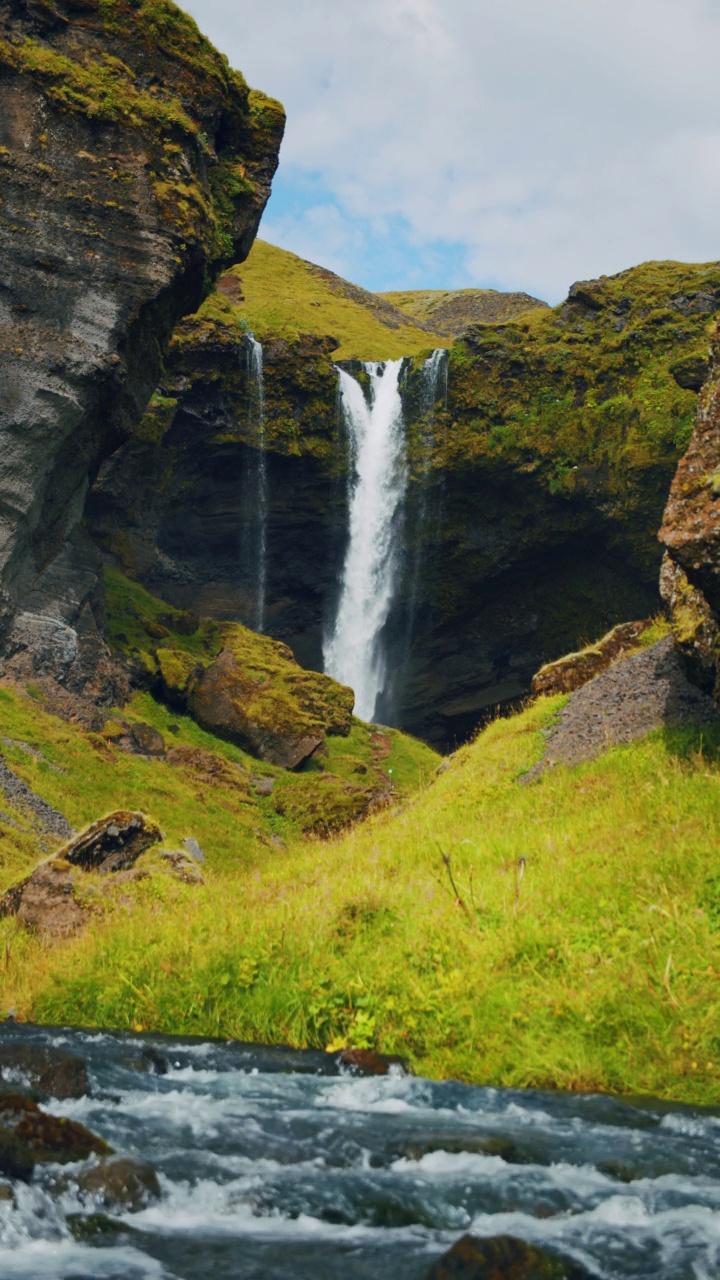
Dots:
pixel 516 144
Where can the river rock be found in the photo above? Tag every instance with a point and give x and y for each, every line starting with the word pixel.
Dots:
pixel 503 1258
pixel 365 1062
pixel 51 1139
pixel 122 1182
pixel 52 1072
pixel 16 1158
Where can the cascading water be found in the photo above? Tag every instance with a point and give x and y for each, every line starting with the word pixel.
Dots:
pixel 354 654
pixel 256 530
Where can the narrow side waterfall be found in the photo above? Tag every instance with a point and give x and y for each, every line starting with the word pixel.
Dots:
pixel 259 483
pixel 354 653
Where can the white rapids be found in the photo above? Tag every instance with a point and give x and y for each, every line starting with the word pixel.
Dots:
pixel 353 653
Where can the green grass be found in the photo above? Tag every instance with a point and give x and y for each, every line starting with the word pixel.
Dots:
pixel 285 297
pixel 598 969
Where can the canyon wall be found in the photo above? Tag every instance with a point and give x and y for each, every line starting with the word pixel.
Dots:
pixel 536 489
pixel 134 163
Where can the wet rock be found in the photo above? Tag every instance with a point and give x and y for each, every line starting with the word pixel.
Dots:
pixel 463 1144
pixel 51 1139
pixel 16 1158
pixel 365 1062
pixel 576 669
pixel 7 1195
pixel 96 1229
pixel 54 1073
pixel 503 1258
pixel 120 1183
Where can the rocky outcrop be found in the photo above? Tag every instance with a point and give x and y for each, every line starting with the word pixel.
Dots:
pixel 690 578
pixel 53 1073
pixel 536 489
pixel 51 901
pixel 134 162
pixel 575 669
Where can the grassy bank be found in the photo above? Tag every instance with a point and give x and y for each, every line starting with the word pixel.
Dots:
pixel 593 965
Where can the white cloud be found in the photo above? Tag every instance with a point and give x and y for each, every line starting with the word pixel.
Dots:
pixel 552 140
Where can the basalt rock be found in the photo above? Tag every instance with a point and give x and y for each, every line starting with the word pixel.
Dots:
pixel 50 900
pixel 690 577
pixel 575 669
pixel 536 486
pixel 121 1182
pixel 503 1258
pixel 50 1139
pixel 134 163
pixel 52 1072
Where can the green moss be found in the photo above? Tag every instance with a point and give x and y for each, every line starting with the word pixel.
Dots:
pixel 156 419
pixel 286 297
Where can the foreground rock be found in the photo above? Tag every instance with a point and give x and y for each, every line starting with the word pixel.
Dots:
pixel 503 1258
pixel 49 1139
pixel 121 1182
pixel 575 669
pixel 50 900
pixel 637 694
pixel 134 161
pixel 51 1072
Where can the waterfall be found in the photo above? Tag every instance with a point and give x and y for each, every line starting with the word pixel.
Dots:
pixel 258 480
pixel 354 654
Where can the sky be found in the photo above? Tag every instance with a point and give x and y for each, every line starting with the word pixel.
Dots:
pixel 511 144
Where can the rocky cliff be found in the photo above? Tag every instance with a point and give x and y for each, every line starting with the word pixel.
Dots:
pixel 690 578
pixel 134 163
pixel 537 485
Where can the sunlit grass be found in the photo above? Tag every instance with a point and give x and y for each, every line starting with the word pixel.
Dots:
pixel 597 967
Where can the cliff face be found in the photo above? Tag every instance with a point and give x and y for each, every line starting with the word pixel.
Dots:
pixel 134 162
pixel 690 579
pixel 536 488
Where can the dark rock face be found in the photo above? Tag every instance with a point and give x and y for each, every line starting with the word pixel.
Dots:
pixel 121 1182
pixel 52 1072
pixel 690 579
pixel 49 1138
pixel 133 160
pixel 503 1258
pixel 46 901
pixel 534 499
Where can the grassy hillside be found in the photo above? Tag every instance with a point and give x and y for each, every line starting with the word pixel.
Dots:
pixel 592 965
pixel 450 311
pixel 284 297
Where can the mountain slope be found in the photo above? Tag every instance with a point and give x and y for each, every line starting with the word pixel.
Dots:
pixel 450 311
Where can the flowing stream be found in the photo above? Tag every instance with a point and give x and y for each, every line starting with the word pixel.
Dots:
pixel 354 652
pixel 255 541
pixel 273 1167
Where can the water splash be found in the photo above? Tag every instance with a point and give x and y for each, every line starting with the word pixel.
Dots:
pixel 258 478
pixel 354 652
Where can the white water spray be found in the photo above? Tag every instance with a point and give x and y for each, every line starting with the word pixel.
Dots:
pixel 256 388
pixel 353 654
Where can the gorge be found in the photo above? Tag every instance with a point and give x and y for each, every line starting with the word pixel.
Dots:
pixel 269 542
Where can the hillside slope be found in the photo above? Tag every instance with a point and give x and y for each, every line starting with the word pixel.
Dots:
pixel 278 295
pixel 584 952
pixel 450 311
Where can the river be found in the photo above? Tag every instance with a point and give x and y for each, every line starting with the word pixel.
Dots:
pixel 271 1168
